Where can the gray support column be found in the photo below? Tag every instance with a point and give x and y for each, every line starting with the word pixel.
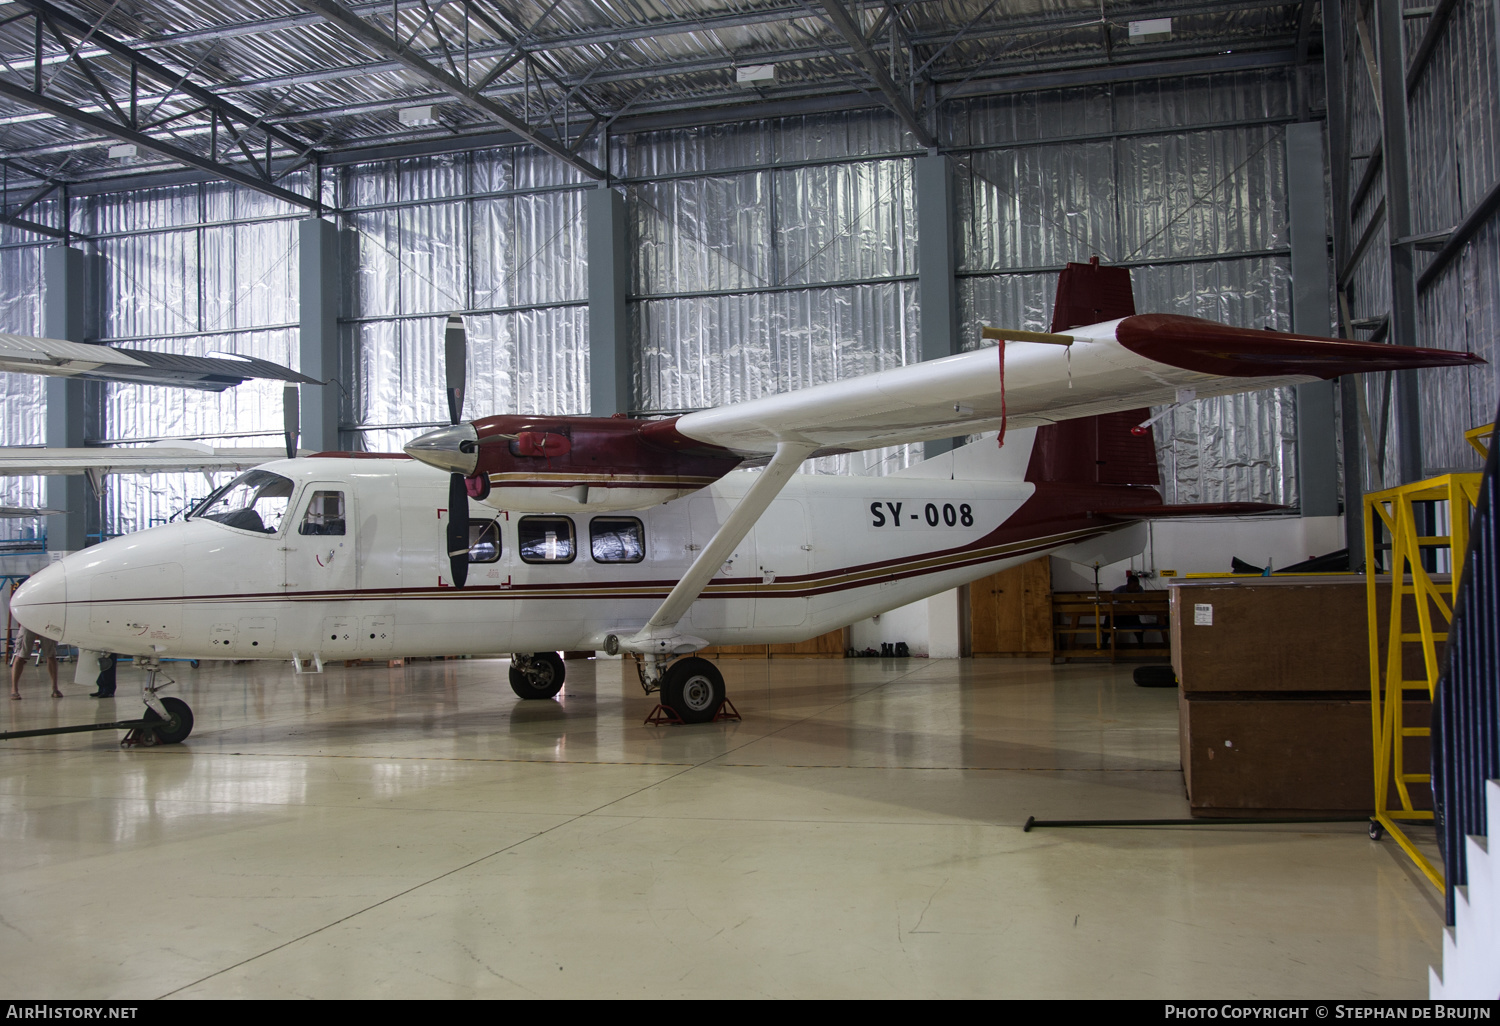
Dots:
pixel 610 389
pixel 64 316
pixel 1349 385
pixel 936 263
pixel 318 259
pixel 1317 456
pixel 1394 157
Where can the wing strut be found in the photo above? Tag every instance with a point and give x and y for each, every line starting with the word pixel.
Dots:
pixel 660 637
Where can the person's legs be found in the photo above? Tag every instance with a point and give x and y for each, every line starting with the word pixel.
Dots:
pixel 16 665
pixel 52 672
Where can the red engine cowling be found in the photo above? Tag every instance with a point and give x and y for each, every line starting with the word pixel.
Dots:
pixel 564 464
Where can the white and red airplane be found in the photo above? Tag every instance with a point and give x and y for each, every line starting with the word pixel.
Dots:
pixel 531 535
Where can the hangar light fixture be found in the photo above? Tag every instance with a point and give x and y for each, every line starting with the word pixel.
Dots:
pixel 417 116
pixel 1152 30
pixel 123 151
pixel 754 74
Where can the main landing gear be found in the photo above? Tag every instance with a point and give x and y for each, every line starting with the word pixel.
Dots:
pixel 539 675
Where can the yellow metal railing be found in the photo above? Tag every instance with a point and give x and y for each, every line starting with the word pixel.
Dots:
pixel 1477 437
pixel 1392 514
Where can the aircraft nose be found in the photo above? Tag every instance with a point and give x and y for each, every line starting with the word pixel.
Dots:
pixel 453 449
pixel 41 602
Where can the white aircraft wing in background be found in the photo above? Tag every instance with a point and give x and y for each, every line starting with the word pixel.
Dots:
pixel 147 459
pixel 23 354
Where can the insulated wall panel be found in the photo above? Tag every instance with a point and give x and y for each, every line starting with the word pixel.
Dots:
pixel 22 396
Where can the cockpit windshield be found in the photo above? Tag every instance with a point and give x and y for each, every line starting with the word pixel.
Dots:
pixel 255 501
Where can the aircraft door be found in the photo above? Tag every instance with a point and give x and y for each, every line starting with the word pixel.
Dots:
pixel 320 544
pixel 705 515
pixel 783 552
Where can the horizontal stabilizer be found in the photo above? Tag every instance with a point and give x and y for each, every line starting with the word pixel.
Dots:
pixel 1191 509
pixel 1211 348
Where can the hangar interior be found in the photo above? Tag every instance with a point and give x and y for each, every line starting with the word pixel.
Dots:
pixel 660 207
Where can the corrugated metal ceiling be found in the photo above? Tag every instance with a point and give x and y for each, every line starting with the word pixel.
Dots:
pixel 291 74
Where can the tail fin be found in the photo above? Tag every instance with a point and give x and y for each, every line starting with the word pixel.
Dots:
pixel 1094 450
pixel 1088 294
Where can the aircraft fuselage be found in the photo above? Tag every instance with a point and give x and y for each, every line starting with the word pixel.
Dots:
pixel 357 567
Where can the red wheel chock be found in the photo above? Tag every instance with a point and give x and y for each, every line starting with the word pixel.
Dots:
pixel 663 715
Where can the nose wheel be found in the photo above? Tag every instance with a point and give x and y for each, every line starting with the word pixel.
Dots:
pixel 167 721
pixel 169 731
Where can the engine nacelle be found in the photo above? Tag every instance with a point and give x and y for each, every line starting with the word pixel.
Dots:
pixel 571 464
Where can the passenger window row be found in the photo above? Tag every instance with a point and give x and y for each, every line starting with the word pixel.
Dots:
pixel 550 539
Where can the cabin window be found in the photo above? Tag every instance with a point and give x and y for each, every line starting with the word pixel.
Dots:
pixel 617 540
pixel 545 539
pixel 257 500
pixel 325 514
pixel 484 541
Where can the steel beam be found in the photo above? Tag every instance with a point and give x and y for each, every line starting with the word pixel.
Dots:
pixel 1457 239
pixel 64 316
pixel 380 42
pixel 1349 384
pixel 609 325
pixel 839 17
pixel 174 80
pixel 936 263
pixel 1317 458
pixel 1395 151
pixel 318 297
pixel 168 150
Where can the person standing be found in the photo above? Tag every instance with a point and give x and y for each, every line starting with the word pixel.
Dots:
pixel 23 651
pixel 105 682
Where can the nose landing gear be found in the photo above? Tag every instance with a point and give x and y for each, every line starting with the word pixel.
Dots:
pixel 168 721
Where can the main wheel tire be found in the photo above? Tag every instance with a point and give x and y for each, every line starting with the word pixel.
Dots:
pixel 175 730
pixel 543 679
pixel 693 689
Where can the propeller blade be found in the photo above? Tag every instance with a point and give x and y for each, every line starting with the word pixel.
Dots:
pixel 455 366
pixel 458 529
pixel 291 419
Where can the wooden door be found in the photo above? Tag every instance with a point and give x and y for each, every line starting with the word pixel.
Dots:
pixel 1010 613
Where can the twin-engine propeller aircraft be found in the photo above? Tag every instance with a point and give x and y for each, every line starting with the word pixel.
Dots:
pixel 633 536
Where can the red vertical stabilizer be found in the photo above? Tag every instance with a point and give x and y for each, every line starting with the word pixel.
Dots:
pixel 1094 450
pixel 1088 294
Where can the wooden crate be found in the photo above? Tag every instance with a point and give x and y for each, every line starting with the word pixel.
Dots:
pixel 1261 756
pixel 1278 634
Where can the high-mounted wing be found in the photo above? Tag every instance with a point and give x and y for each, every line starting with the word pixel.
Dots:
pixel 1039 378
pixel 18 512
pixel 26 355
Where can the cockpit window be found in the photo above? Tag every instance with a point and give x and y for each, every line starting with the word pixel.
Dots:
pixel 255 501
pixel 325 514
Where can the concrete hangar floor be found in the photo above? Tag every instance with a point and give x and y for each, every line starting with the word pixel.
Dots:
pixel 420 832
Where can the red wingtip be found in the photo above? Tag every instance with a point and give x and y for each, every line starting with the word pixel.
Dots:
pixel 1211 348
